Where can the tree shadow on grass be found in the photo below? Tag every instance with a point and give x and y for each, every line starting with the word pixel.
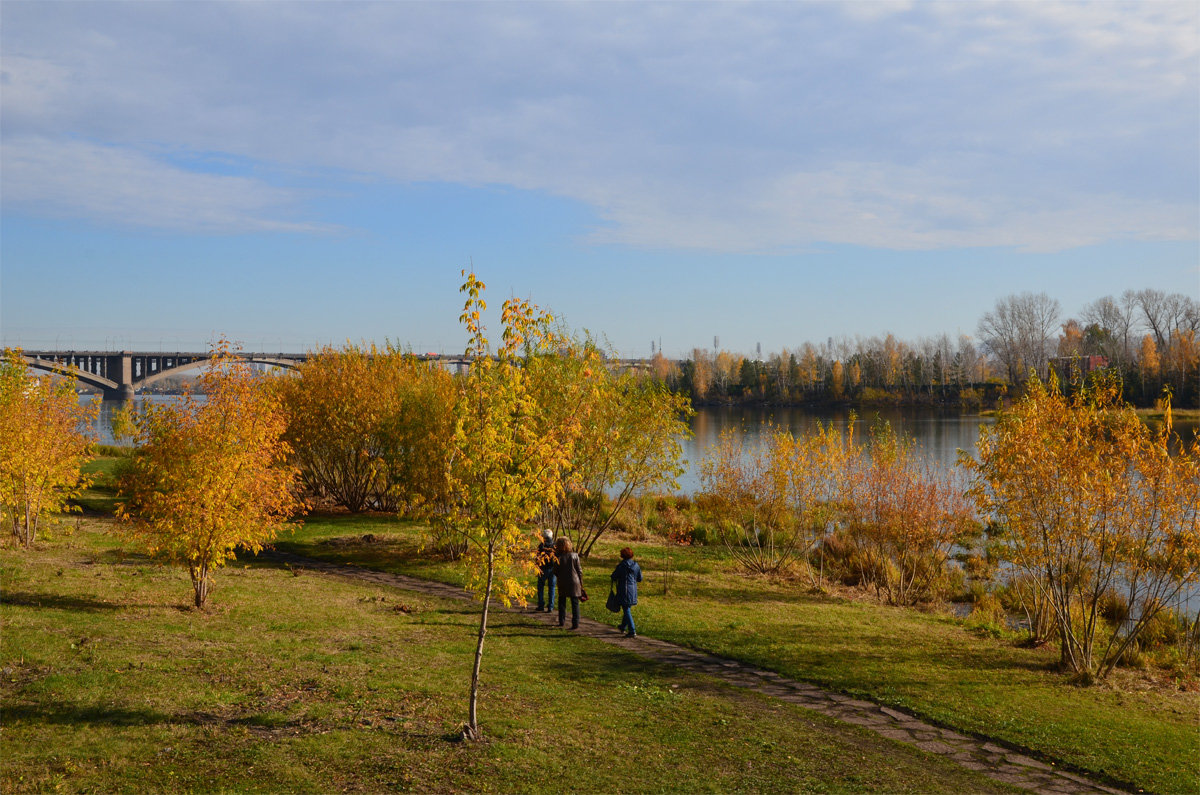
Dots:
pixel 64 715
pixel 125 557
pixel 620 666
pixel 57 602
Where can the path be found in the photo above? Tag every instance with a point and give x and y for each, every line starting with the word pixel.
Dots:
pixel 992 759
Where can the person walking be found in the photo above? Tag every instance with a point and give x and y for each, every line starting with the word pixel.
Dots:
pixel 547 576
pixel 570 581
pixel 627 575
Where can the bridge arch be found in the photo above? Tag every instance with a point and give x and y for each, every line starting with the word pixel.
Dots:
pixel 79 374
pixel 119 375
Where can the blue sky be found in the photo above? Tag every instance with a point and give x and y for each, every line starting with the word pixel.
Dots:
pixel 291 174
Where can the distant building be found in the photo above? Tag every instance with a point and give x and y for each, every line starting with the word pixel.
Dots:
pixel 1075 368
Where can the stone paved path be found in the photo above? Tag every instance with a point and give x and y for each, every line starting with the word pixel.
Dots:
pixel 992 759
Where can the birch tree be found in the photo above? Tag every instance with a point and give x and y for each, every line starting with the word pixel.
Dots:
pixel 509 452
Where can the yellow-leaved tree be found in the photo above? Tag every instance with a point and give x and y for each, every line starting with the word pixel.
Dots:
pixel 630 444
pixel 508 452
pixel 369 428
pixel 1091 501
pixel 777 499
pixel 42 446
pixel 211 476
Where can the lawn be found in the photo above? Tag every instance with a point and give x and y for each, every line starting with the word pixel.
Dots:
pixel 297 682
pixel 1127 732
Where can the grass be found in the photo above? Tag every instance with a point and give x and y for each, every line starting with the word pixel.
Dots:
pixel 101 496
pixel 928 664
pixel 303 683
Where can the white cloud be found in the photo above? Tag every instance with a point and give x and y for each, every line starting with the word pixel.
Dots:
pixel 880 205
pixel 127 188
pixel 721 126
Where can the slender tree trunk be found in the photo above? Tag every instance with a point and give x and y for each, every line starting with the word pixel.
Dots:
pixel 26 536
pixel 200 584
pixel 472 731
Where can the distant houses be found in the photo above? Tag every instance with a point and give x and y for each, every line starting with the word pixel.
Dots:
pixel 1070 369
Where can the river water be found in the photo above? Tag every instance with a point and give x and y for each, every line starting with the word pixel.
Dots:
pixel 939 435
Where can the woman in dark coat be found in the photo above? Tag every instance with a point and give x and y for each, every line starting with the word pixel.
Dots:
pixel 570 581
pixel 627 575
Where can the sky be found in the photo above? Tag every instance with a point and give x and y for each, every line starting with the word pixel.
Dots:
pixel 291 175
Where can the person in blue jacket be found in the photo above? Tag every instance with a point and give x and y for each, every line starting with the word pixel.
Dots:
pixel 627 575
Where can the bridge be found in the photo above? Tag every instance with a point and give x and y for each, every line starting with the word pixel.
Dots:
pixel 121 374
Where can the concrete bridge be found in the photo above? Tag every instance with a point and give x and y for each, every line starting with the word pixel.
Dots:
pixel 120 374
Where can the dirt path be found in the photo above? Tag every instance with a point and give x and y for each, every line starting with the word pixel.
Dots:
pixel 993 759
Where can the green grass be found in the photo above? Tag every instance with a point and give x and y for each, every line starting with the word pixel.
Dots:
pixel 297 682
pixel 101 497
pixel 925 663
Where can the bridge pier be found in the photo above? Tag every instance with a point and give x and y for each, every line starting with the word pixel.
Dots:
pixel 119 368
pixel 122 393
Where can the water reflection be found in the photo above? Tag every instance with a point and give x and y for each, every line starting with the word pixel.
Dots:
pixel 940 435
pixel 103 424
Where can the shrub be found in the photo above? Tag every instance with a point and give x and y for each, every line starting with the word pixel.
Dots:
pixel 1166 628
pixel 988 616
pixel 1114 607
pixel 1021 595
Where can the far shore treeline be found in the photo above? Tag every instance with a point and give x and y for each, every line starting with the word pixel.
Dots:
pixel 1148 338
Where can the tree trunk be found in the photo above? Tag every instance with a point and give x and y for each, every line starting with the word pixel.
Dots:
pixel 200 583
pixel 472 729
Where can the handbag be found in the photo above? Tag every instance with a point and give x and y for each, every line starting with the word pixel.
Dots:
pixel 583 594
pixel 613 605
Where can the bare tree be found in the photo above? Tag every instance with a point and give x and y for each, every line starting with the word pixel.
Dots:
pixel 1021 332
pixel 967 362
pixel 1111 325
pixel 1164 313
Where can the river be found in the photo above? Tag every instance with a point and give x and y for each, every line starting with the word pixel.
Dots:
pixel 938 434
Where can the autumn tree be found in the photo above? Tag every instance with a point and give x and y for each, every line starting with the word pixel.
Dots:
pixel 509 451
pixel 1148 365
pixel 631 444
pixel 1019 332
pixel 1071 342
pixel 775 500
pixel 905 513
pixel 837 381
pixel 369 427
pixel 211 476
pixel 414 439
pixel 1090 501
pixel 699 375
pixel 42 447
